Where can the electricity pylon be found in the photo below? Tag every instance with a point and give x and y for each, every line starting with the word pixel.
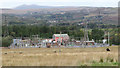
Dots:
pixel 6 28
pixel 86 38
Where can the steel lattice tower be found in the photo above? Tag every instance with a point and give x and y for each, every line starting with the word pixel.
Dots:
pixel 6 27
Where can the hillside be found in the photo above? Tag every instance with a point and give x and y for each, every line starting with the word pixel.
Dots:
pixel 108 15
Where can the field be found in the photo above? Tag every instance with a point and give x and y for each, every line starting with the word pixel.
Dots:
pixel 65 57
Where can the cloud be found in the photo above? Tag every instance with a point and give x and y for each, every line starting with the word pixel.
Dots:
pixel 60 0
pixel 14 3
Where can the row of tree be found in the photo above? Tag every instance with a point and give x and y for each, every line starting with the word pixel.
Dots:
pixel 47 32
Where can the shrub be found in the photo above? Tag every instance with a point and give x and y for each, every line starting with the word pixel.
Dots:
pixel 110 59
pixel 93 61
pixel 6 41
pixel 101 60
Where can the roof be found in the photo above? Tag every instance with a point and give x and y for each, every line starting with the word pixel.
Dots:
pixel 89 41
pixel 62 35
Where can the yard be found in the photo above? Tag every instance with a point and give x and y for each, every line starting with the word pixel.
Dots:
pixel 66 57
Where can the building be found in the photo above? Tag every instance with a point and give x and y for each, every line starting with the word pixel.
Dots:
pixel 90 42
pixel 62 37
pixel 104 41
pixel 18 43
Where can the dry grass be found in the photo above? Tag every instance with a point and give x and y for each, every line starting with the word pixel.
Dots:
pixel 47 57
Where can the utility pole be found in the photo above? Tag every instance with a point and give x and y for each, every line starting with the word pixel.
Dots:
pixel 99 18
pixel 60 42
pixel 37 36
pixel 60 38
pixel 87 32
pixel 108 38
pixel 85 35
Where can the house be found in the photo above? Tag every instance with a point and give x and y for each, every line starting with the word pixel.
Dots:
pixel 62 37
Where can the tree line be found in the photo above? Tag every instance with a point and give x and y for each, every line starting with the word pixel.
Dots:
pixel 47 32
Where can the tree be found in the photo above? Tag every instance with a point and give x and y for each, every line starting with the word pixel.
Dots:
pixel 97 34
pixel 115 39
pixel 6 41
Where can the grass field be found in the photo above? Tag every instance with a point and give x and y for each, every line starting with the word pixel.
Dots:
pixel 67 57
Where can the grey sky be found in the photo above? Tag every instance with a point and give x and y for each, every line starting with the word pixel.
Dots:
pixel 94 3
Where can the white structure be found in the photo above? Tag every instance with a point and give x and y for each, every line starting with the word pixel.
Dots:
pixel 104 41
pixel 20 43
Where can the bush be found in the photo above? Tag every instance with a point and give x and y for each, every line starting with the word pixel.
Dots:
pixel 101 60
pixel 110 59
pixel 6 41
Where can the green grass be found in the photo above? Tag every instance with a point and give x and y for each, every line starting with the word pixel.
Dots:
pixel 105 64
pixel 109 62
pixel 94 63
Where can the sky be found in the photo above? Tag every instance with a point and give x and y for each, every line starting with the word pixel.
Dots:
pixel 92 3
